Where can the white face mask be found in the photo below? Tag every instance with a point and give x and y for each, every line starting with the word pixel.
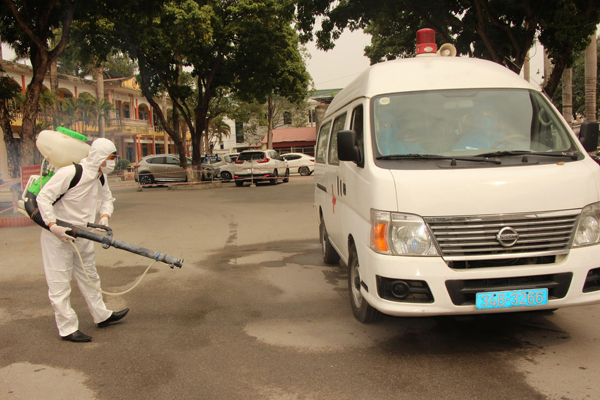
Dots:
pixel 110 167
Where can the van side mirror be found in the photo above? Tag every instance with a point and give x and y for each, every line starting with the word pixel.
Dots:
pixel 348 147
pixel 588 136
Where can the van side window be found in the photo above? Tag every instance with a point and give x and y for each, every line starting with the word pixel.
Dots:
pixel 338 125
pixel 322 143
pixel 357 125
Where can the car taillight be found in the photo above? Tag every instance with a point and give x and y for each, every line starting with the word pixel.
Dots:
pixel 263 161
pixel 136 166
pixel 312 160
pixel 238 162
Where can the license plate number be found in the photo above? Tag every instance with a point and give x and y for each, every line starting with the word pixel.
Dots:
pixel 511 298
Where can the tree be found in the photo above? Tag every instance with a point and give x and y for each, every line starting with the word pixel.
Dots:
pixel 231 47
pixel 578 86
pixel 497 30
pixel 217 130
pixel 27 25
pixel 9 90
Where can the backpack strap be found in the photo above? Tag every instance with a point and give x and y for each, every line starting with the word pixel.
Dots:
pixel 74 181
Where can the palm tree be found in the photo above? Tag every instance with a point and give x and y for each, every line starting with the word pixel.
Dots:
pixel 217 129
pixel 99 111
pixel 69 112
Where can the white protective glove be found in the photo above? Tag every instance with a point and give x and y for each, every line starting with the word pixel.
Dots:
pixel 103 221
pixel 61 233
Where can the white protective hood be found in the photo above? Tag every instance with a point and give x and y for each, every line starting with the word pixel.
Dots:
pixel 99 152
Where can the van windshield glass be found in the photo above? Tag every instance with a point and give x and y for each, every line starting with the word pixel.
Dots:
pixel 453 123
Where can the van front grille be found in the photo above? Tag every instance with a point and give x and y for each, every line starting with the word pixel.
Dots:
pixel 505 235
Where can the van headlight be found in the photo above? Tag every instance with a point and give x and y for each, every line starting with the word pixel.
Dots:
pixel 588 228
pixel 401 235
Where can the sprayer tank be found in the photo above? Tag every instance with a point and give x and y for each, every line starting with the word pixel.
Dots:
pixel 61 149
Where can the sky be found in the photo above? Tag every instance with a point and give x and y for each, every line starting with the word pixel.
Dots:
pixel 336 68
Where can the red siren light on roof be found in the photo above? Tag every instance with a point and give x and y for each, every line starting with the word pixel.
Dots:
pixel 426 41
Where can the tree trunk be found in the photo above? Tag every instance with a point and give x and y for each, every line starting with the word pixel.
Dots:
pixel 100 97
pixel 12 149
pixel 54 90
pixel 30 111
pixel 551 82
pixel 567 94
pixel 526 68
pixel 591 71
pixel 270 123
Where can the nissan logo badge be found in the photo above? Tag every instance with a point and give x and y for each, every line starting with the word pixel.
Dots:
pixel 507 236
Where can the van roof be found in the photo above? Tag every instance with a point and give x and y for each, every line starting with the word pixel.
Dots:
pixel 428 73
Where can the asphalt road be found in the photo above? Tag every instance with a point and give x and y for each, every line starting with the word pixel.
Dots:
pixel 255 314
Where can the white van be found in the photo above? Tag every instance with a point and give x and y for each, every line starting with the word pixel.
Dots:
pixel 450 185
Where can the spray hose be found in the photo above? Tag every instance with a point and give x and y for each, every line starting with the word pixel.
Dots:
pixel 100 290
pixel 108 241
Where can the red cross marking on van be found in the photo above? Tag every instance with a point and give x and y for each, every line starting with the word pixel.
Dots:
pixel 333 199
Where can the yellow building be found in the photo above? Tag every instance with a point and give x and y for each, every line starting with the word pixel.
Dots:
pixel 133 127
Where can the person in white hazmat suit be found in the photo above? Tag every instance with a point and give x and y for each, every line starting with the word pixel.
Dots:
pixel 83 203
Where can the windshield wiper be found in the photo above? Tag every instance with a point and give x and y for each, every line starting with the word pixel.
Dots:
pixel 436 157
pixel 508 153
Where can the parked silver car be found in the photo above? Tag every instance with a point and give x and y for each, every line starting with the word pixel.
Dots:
pixel 164 168
pixel 260 165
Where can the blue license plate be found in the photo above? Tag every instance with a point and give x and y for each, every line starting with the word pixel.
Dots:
pixel 511 298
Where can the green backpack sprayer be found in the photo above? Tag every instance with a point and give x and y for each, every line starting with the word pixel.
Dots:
pixel 65 147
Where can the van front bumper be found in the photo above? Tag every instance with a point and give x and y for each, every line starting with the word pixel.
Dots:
pixel 573 279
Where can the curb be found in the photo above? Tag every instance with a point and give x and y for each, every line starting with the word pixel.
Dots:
pixel 195 185
pixel 15 222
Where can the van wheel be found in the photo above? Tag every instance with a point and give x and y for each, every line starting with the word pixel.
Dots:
pixel 286 178
pixel 239 183
pixel 360 308
pixel 330 256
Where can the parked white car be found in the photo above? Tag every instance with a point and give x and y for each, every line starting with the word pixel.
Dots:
pixel 300 163
pixel 227 166
pixel 260 165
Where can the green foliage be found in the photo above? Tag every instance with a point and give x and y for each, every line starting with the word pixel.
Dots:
pixel 578 81
pixel 122 164
pixel 86 108
pixel 245 48
pixel 498 30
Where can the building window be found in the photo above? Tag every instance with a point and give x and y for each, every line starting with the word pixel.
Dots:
pixel 312 116
pixel 239 132
pixel 126 111
pixel 287 118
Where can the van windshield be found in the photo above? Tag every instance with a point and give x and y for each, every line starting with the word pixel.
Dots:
pixel 452 123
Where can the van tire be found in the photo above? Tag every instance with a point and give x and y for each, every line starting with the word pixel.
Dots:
pixel 330 256
pixel 239 183
pixel 286 178
pixel 360 308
